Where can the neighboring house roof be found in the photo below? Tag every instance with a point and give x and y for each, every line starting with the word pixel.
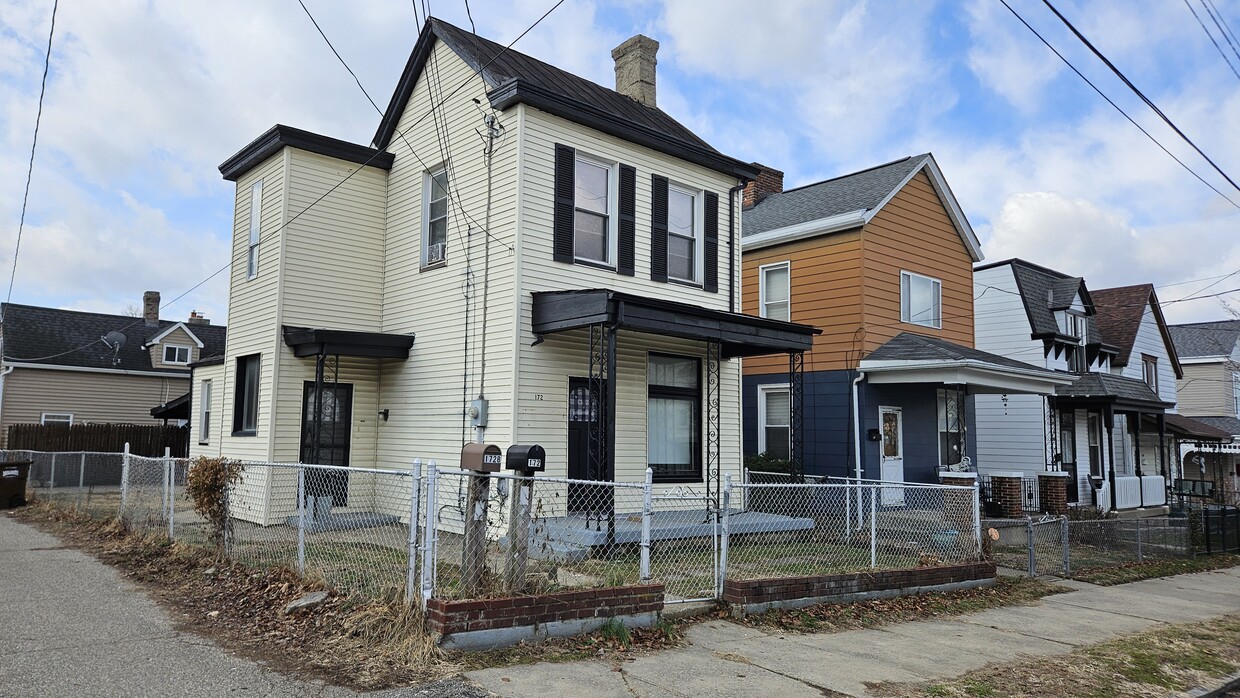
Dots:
pixel 1230 425
pixel 513 77
pixel 1205 339
pixel 1199 428
pixel 177 408
pixel 1045 291
pixel 1120 312
pixel 908 346
pixel 54 337
pixel 849 201
pixel 1109 385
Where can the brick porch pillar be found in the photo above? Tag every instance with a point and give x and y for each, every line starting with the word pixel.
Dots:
pixel 1053 491
pixel 1006 489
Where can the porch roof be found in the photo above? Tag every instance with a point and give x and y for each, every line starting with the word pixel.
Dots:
pixel 738 334
pixel 1124 394
pixel 915 358
pixel 1187 426
pixel 307 341
pixel 177 408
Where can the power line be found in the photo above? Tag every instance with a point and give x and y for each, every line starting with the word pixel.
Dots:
pixel 1216 17
pixel 1139 93
pixel 38 118
pixel 472 28
pixel 337 53
pixel 1116 106
pixel 1223 20
pixel 1220 50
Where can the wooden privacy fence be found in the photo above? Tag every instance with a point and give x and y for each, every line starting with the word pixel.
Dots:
pixel 143 439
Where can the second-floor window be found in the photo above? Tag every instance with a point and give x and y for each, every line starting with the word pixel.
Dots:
pixel 1235 393
pixel 1149 369
pixel 774 291
pixel 592 219
pixel 435 218
pixel 256 215
pixel 921 300
pixel 683 234
pixel 174 354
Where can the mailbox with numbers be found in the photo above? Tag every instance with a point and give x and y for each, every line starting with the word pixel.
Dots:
pixel 485 458
pixel 528 458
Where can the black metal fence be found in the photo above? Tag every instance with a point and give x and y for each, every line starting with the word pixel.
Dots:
pixel 1218 529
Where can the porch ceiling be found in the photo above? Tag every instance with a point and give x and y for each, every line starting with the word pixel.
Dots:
pixel 738 334
pixel 307 341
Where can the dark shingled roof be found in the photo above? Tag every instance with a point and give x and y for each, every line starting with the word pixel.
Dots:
pixel 1044 291
pixel 1230 425
pixel 522 78
pixel 1203 339
pixel 1199 428
pixel 74 338
pixel 908 346
pixel 1109 385
pixel 859 191
pixel 1120 312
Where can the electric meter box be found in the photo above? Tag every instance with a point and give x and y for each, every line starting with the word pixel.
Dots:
pixel 485 458
pixel 530 458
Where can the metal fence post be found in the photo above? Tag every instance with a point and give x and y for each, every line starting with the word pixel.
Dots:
pixel 51 481
pixel 170 487
pixel 647 500
pixel 977 515
pixel 1067 549
pixel 724 535
pixel 1140 551
pixel 301 520
pixel 873 527
pixel 81 479
pixel 1033 557
pixel 415 494
pixel 124 479
pixel 430 537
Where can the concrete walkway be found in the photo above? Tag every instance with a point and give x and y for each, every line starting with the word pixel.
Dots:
pixel 730 660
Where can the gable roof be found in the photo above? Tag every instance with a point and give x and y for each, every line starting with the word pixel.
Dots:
pixel 512 77
pixel 1120 312
pixel 165 331
pixel 1205 339
pixel 1044 291
pixel 54 337
pixel 847 202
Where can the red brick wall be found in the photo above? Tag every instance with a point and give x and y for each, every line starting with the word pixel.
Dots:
pixel 446 617
pixel 757 591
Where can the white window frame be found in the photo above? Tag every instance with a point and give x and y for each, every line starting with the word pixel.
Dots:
pixel 613 208
pixel 762 425
pixel 699 210
pixel 204 412
pixel 256 217
pixel 906 312
pixel 43 418
pixel 426 215
pixel 1235 393
pixel 763 310
pixel 940 406
pixel 189 353
pixel 1149 371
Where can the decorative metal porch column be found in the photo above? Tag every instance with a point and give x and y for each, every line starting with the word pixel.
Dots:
pixel 714 366
pixel 796 417
pixel 602 432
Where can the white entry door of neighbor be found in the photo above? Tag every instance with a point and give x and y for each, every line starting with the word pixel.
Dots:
pixel 891 424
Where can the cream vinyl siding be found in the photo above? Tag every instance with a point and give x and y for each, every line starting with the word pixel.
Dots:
pixel 1149 340
pixel 179 338
pixel 333 253
pixel 219 408
pixel 90 396
pixel 425 393
pixel 1204 391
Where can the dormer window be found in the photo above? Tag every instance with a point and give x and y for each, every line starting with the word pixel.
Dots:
pixel 176 354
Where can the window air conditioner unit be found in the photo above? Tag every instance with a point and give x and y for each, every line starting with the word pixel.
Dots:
pixel 436 253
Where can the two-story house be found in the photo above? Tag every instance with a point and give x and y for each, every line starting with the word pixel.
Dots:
pixel 73 367
pixel 1107 429
pixel 1209 392
pixel 520 256
pixel 882 260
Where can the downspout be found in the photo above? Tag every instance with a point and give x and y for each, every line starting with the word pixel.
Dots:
pixel 856 395
pixel 732 245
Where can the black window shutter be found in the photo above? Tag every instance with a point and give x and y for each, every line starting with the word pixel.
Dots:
pixel 562 219
pixel 658 228
pixel 710 230
pixel 628 220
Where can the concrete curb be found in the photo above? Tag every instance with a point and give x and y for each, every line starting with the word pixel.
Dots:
pixel 1231 681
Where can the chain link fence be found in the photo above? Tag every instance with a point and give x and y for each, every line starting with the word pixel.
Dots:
pixel 1062 547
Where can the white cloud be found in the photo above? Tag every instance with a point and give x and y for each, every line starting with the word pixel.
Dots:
pixel 1004 60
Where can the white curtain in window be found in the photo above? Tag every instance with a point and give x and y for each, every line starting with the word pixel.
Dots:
pixel 669 431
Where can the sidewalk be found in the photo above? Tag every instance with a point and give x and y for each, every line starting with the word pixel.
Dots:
pixel 725 659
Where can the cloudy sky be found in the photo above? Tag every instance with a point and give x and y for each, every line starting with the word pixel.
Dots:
pixel 145 99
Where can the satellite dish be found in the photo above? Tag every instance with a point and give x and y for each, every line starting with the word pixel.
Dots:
pixel 114 341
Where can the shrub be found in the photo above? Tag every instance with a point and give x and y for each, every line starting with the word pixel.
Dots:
pixel 766 463
pixel 207 486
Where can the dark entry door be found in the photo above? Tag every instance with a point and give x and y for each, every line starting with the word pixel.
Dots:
pixel 583 409
pixel 331 436
pixel 1067 453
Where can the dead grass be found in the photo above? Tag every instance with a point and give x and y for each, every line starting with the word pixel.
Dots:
pixel 1152 569
pixel 1154 663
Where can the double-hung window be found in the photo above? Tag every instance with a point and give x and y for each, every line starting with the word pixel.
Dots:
pixel 176 354
pixel 774 291
pixel 683 234
pixel 775 421
pixel 256 215
pixel 1235 393
pixel 593 217
pixel 921 300
pixel 673 432
pixel 1073 324
pixel 951 430
pixel 245 399
pixel 435 218
pixel 1149 370
pixel 204 413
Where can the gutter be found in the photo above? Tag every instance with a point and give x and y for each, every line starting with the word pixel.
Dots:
pixel 800 231
pixel 1055 377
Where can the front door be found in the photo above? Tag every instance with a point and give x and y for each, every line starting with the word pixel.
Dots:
pixel 330 436
pixel 583 409
pixel 1067 453
pixel 891 422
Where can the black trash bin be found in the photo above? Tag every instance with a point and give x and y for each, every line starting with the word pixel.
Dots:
pixel 13 476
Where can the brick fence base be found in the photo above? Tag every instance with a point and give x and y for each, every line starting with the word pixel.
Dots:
pixel 488 623
pixel 759 595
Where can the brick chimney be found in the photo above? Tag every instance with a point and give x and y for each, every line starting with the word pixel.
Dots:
pixel 150 308
pixel 196 318
pixel 769 181
pixel 635 68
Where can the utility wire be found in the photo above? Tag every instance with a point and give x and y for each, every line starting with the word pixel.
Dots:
pixel 1116 106
pixel 472 28
pixel 1223 20
pixel 1220 50
pixel 1139 93
pixel 1216 17
pixel 38 118
pixel 337 53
